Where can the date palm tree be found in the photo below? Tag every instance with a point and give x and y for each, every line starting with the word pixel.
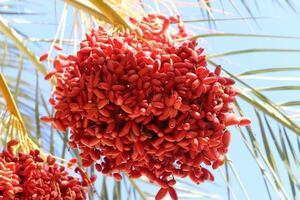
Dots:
pixel 264 160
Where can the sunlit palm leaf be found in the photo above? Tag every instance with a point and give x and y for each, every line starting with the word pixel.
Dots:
pixel 269 70
pixel 86 8
pixel 239 35
pixel 18 41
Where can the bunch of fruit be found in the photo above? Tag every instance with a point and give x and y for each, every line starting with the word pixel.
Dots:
pixel 143 104
pixel 30 177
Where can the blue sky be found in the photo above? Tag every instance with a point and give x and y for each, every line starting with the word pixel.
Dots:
pixel 277 21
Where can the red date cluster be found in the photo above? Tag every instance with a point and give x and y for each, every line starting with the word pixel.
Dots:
pixel 141 104
pixel 29 177
pixel 157 28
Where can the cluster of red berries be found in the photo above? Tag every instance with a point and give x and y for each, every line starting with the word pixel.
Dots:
pixel 30 177
pixel 144 106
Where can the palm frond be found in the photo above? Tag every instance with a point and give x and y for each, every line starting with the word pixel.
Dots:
pixel 18 41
